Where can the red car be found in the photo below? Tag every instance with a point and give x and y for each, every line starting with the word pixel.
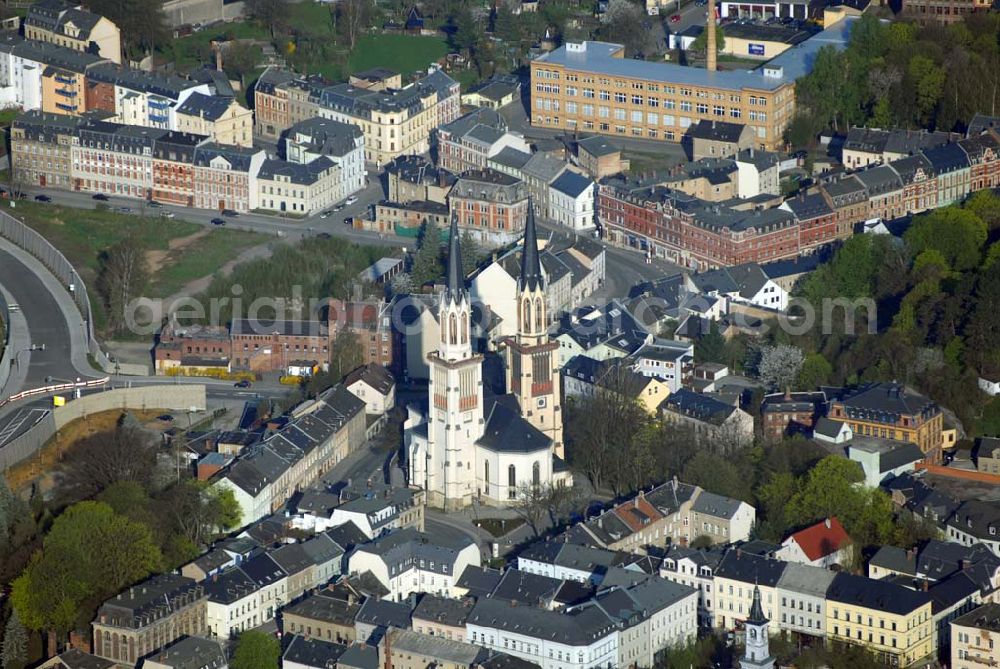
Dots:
pixel 676 18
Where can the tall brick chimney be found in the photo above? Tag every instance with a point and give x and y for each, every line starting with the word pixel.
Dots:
pixel 710 37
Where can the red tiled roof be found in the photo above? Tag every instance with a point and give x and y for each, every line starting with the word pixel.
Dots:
pixel 636 522
pixel 819 540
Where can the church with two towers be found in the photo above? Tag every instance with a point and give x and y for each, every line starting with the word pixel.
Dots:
pixel 465 446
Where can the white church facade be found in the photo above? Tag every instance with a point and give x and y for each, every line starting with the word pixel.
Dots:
pixel 463 446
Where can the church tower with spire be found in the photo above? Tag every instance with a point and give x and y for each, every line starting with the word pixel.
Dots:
pixel 455 411
pixel 757 654
pixel 532 375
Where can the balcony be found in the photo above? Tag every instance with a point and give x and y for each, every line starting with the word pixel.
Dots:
pixel 66 108
pixel 66 93
pixel 159 104
pixel 66 81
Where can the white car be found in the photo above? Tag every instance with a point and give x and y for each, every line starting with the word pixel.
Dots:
pixel 166 214
pixel 350 200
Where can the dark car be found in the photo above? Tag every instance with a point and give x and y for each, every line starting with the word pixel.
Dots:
pixel 154 204
pixel 100 196
pixel 166 418
pixel 218 221
pixel 43 198
pixel 349 220
pixel 241 384
pixel 324 235
pixel 229 212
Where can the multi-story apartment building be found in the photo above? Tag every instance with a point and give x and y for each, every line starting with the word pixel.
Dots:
pixel 143 98
pixel 952 167
pixel 371 323
pixel 890 411
pixel 801 599
pixel 468 142
pixel 492 206
pixel 221 119
pixel 735 578
pixel 225 177
pixel 41 146
pixel 592 87
pixel 70 25
pixel 892 621
pixel 342 144
pixel 975 638
pixel 327 615
pixel 395 122
pixel 147 617
pixel 297 188
pixel 407 561
pixel 849 200
pixel 272 106
pixel 173 169
pixel 114 159
pixel 866 146
pixel 695 569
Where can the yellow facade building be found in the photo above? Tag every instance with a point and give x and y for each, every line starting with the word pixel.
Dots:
pixel 592 87
pixel 893 622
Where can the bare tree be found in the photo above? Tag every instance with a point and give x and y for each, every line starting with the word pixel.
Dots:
pixel 352 18
pixel 123 276
pixel 531 505
pixel 127 453
pixel 272 14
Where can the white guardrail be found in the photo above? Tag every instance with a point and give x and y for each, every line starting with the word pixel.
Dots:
pixel 45 390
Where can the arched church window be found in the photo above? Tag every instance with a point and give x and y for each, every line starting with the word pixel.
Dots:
pixel 536 474
pixel 453 328
pixel 486 475
pixel 538 313
pixel 465 328
pixel 511 477
pixel 526 315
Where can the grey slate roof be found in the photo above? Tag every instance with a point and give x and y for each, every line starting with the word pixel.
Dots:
pixel 153 598
pixel 326 136
pixel 805 579
pixel 718 131
pixel 313 653
pixel 298 173
pixel 479 581
pixel 325 608
pixel 508 432
pixel 978 518
pixel 572 184
pixel 510 157
pixel 879 595
pixel 698 406
pixel 211 107
pixel 443 610
pixel 710 504
pixel 193 652
pixel 748 568
pixel 981 123
pixel 359 656
pixel 579 628
pixel 406 547
pixel 878 400
pixel 598 146
pixel 384 613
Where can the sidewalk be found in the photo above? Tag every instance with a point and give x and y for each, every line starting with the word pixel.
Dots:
pixel 12 376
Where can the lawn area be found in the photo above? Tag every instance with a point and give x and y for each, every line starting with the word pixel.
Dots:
pixel 402 53
pixel 178 252
pixel 498 527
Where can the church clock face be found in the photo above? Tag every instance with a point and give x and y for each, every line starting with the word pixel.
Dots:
pixel 541 402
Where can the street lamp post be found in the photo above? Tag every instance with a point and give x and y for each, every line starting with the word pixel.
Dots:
pixel 17 355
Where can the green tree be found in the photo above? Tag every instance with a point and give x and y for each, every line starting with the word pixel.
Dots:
pixel 719 474
pixel 346 353
pixel 986 205
pixel 928 85
pixel 14 653
pixel 711 346
pixel 427 264
pixel 816 371
pixel 701 40
pixel 256 650
pixel 774 498
pixel 506 26
pixel 471 253
pixel 957 233
pixel 89 554
pixel 12 508
pixel 468 33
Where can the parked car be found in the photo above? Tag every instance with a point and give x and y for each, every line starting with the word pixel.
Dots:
pixel 166 418
pixel 351 199
pixel 218 221
pixel 325 214
pixel 348 220
pixel 324 235
pixel 154 204
pixel 166 214
pixel 43 198
pixel 339 207
pixel 676 18
pixel 100 196
pixel 229 212
pixel 242 384
pixel 125 210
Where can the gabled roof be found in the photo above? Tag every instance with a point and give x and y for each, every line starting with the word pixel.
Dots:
pixel 508 432
pixel 698 406
pixel 311 652
pixel 210 107
pixel 824 538
pixel 192 652
pixel 875 595
pixel 572 184
pixel 717 131
pixel 741 566
pixel 376 376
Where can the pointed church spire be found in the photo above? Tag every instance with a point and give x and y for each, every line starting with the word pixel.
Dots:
pixel 756 610
pixel 531 267
pixel 455 287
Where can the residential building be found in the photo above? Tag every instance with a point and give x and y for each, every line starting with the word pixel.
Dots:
pixel 538 172
pixel 407 649
pixel 342 144
pixel 600 157
pixel 801 597
pixel 371 323
pixel 583 639
pixel 890 411
pixel 73 27
pixel 223 120
pixel 377 616
pixel 695 569
pixel 321 433
pixel 407 561
pixel 41 149
pixel 443 616
pixel 882 459
pixel 191 652
pixel 866 146
pixel 327 615
pixel 586 377
pixel 976 521
pixel 490 205
pixel 710 420
pixel 821 545
pixel 943 11
pixel 721 519
pixel 666 359
pixel 599 332
pixel 173 171
pixel 789 413
pixel 225 177
pixel 591 87
pixel 378 509
pixel 295 188
pixel 986 454
pixel 735 578
pixel 75 658
pixel 375 386
pixel 395 122
pixel 742 284
pixel 414 179
pixel 468 142
pixel 569 561
pixel 975 638
pixel 304 652
pixel 571 201
pixel 757 173
pixel 494 93
pixel 149 616
pixel 892 621
pixel 718 139
pixel 245 596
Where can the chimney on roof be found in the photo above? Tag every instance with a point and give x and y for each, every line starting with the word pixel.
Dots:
pixel 923 585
